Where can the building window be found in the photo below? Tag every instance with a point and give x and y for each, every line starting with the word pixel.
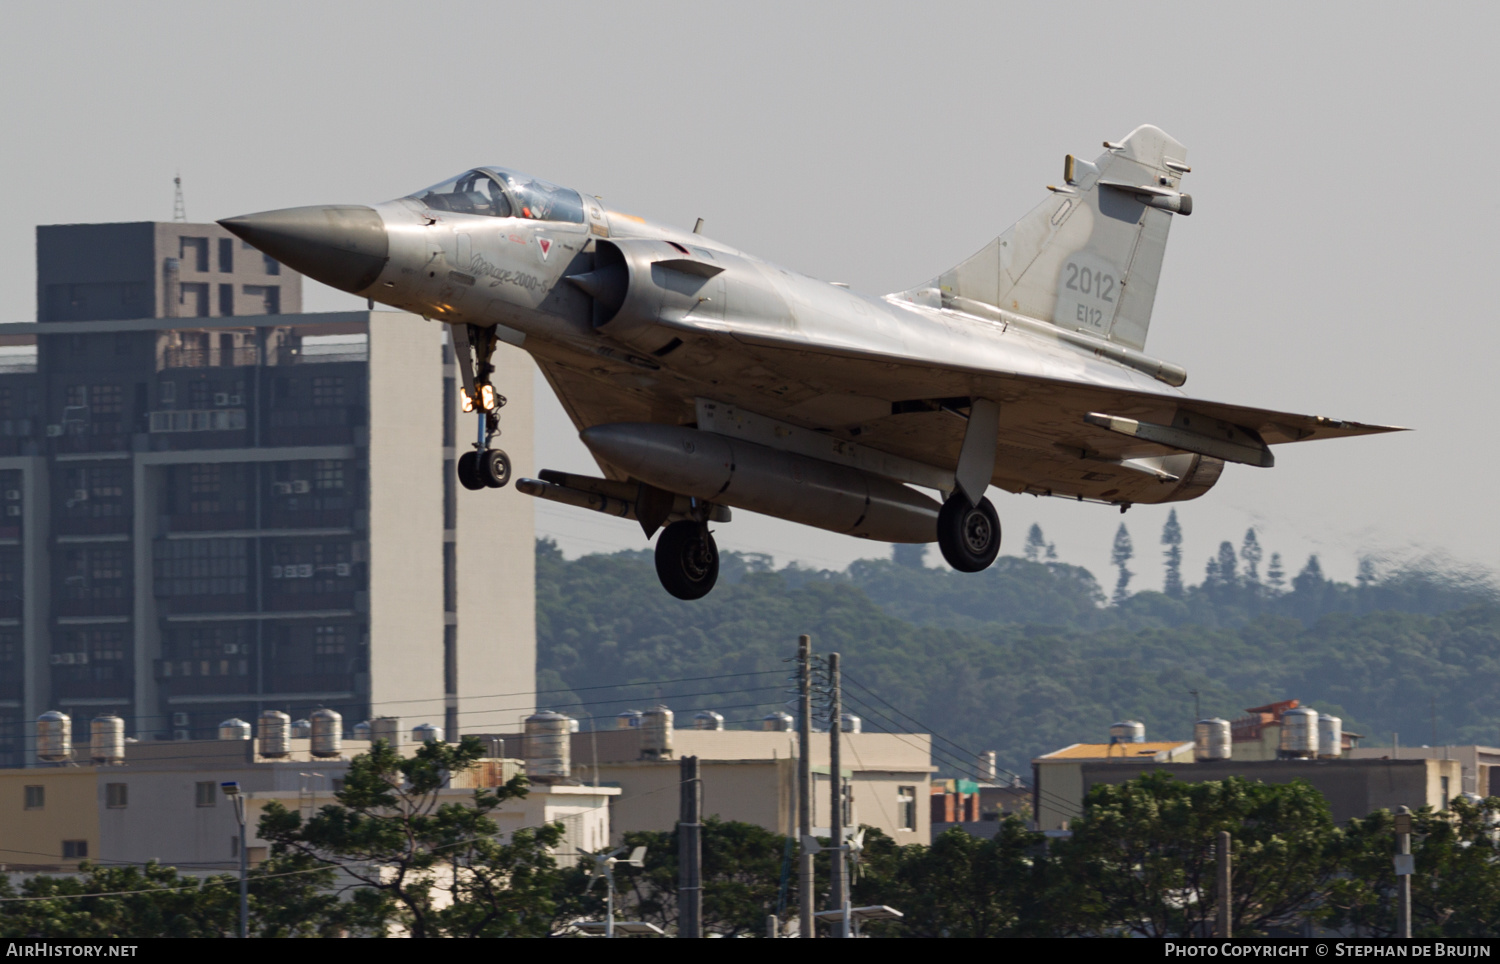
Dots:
pixel 330 644
pixel 194 299
pixel 269 297
pixel 328 474
pixel 450 578
pixel 906 807
pixel 450 660
pixel 272 266
pixel 226 301
pixel 90 655
pixel 208 793
pixel 234 847
pixel 75 849
pixel 312 567
pixel 450 496
pixel 97 572
pixel 202 567
pixel 194 253
pixel 116 796
pixel 226 255
pixel 328 391
pixel 36 798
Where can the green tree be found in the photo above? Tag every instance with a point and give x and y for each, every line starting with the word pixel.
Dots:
pixel 961 886
pixel 741 879
pixel 427 860
pixel 1171 537
pixel 1250 554
pixel 1456 887
pixel 1275 575
pixel 1143 855
pixel 289 897
pixel 1120 557
pixel 1036 544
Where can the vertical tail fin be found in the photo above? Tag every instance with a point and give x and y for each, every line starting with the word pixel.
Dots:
pixel 1088 257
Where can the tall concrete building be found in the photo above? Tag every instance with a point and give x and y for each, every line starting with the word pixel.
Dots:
pixel 215 504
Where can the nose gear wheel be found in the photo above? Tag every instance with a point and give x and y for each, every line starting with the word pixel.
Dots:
pixel 687 560
pixel 968 534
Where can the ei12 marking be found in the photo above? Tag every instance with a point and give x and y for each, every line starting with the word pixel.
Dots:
pixel 1088 288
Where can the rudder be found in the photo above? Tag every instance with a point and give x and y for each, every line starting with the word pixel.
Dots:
pixel 1087 258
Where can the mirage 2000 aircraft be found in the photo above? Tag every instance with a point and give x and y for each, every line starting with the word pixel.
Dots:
pixel 702 378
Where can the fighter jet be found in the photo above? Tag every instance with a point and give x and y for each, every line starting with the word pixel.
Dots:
pixel 702 378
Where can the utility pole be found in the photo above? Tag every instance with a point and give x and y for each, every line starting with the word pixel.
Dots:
pixel 804 786
pixel 1404 868
pixel 839 896
pixel 690 852
pixel 231 790
pixel 1226 881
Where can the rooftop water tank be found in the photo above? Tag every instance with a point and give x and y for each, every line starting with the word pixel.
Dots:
pixel 546 746
pixel 629 720
pixel 54 737
pixel 656 733
pixel 849 723
pixel 1211 740
pixel 107 739
pixel 361 731
pixel 779 722
pixel 327 732
pixel 708 720
pixel 1129 731
pixel 426 733
pixel 234 728
pixel 387 728
pixel 275 733
pixel 1330 737
pixel 1299 733
pixel 301 729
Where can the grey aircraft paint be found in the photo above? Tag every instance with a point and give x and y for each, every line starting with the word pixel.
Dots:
pixel 1023 366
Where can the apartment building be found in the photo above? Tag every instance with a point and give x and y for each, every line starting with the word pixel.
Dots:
pixel 216 504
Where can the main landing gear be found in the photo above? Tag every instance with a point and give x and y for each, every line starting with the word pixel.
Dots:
pixel 968 534
pixel 687 559
pixel 485 467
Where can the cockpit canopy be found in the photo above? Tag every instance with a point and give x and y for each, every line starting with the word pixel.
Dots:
pixel 498 193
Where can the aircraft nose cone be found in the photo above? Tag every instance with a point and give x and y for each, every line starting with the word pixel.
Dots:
pixel 343 245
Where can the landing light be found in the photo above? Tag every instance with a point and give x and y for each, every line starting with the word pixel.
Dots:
pixel 465 401
pixel 487 397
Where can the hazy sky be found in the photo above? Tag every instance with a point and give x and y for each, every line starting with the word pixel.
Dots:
pixel 1339 261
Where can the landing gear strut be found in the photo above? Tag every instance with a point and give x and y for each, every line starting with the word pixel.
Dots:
pixel 687 559
pixel 485 467
pixel 968 534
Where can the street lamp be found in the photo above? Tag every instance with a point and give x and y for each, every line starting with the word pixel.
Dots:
pixel 231 790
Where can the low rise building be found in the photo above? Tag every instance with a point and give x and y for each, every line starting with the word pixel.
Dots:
pixel 751 776
pixel 1479 765
pixel 164 803
pixel 1263 745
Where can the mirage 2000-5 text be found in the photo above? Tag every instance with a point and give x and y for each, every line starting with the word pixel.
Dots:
pixel 702 378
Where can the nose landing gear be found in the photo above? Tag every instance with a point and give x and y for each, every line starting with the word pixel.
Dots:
pixel 485 467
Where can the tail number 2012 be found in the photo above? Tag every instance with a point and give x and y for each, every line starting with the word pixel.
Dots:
pixel 1085 281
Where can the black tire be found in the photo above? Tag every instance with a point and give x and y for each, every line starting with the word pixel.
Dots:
pixel 969 535
pixel 687 560
pixel 494 468
pixel 468 472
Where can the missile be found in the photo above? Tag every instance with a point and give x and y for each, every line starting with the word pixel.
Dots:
pixel 756 478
